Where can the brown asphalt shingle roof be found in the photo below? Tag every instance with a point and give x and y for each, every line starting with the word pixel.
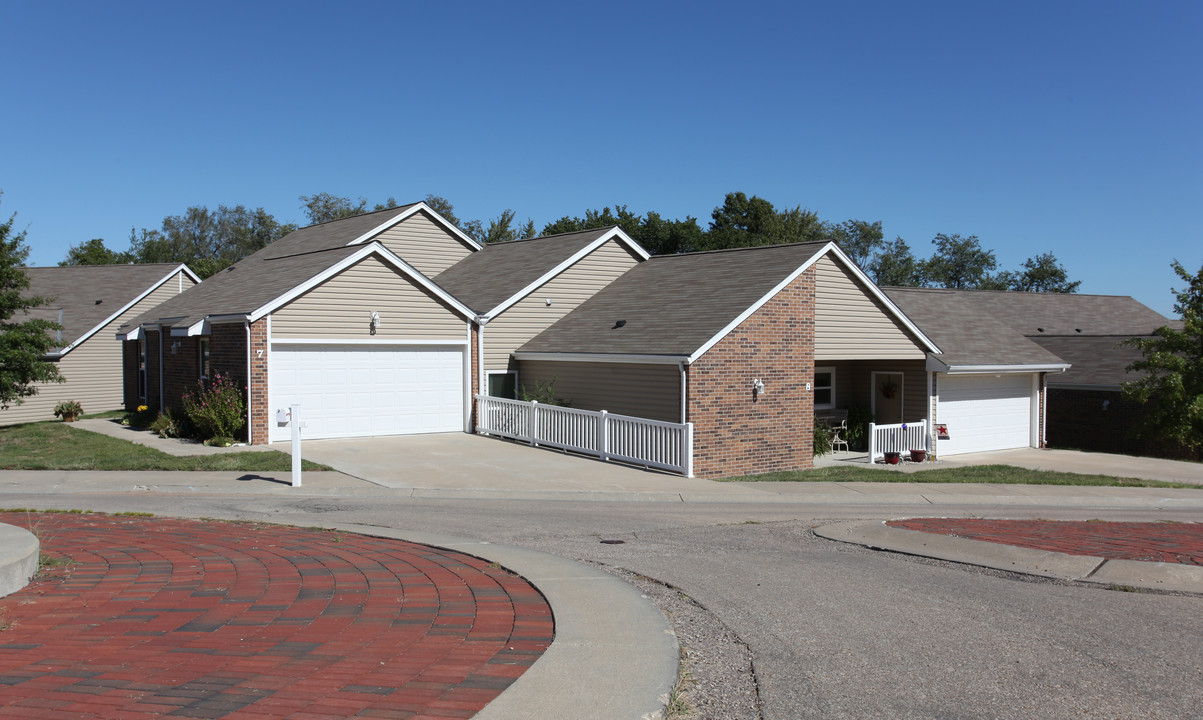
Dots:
pixel 672 304
pixel 1070 314
pixel 90 294
pixel 267 274
pixel 486 278
pixel 1096 359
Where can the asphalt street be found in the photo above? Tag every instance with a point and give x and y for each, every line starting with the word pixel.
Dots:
pixel 836 630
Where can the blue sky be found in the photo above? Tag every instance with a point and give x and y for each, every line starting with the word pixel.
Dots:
pixel 1037 126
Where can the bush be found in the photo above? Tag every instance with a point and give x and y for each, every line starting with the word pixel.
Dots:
pixel 165 426
pixel 218 410
pixel 143 417
pixel 822 439
pixel 858 428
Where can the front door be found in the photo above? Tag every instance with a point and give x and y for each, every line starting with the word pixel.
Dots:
pixel 887 398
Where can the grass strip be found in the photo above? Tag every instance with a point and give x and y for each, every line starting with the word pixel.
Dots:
pixel 54 446
pixel 990 474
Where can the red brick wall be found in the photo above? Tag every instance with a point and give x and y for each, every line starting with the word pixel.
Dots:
pixel 152 369
pixel 736 434
pixel 257 387
pixel 129 375
pixel 181 371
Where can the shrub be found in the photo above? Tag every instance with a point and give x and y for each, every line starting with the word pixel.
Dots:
pixel 544 394
pixel 822 439
pixel 858 427
pixel 143 417
pixel 68 410
pixel 166 426
pixel 218 410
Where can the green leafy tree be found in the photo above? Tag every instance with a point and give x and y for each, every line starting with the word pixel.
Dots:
pixel 1171 388
pixel 23 342
pixel 207 241
pixel 744 222
pixel 895 265
pixel 958 263
pixel 861 241
pixel 94 252
pixel 1043 273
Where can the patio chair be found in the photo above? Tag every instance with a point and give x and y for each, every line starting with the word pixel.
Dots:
pixel 838 429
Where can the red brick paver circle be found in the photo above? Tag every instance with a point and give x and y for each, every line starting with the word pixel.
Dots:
pixel 1152 542
pixel 162 617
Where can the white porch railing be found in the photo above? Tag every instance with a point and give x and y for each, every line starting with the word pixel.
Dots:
pixel 900 438
pixel 651 443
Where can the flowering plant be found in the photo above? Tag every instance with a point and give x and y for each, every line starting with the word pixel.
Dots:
pixel 218 410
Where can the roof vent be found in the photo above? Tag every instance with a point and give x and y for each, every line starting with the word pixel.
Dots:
pixel 619 324
pixel 1077 330
pixel 1039 329
pixel 97 302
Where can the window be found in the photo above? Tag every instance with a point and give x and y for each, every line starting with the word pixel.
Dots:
pixel 203 359
pixel 142 368
pixel 503 385
pixel 824 387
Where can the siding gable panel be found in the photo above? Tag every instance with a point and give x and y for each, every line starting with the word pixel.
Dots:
pixel 421 242
pixel 850 324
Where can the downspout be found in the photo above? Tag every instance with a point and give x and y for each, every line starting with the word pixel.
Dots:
pixel 684 389
pixel 931 420
pixel 480 358
pixel 161 369
pixel 250 428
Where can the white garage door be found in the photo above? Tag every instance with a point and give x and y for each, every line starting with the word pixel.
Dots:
pixel 358 391
pixel 984 412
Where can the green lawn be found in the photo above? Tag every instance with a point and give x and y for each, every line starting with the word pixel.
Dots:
pixel 54 446
pixel 999 474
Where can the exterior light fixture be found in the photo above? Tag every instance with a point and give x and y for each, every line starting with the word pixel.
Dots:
pixel 757 387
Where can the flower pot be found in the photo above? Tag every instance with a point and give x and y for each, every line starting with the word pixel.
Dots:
pixel 69 418
pixel 918 455
pixel 892 458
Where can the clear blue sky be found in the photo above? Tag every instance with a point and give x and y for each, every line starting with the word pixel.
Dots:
pixel 1070 127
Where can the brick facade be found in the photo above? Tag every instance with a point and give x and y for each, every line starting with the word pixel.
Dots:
pixel 181 371
pixel 129 375
pixel 736 433
pixel 257 387
pixel 153 346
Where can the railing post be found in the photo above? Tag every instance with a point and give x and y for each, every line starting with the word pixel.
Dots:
pixel 534 422
pixel 603 436
pixel 688 449
pixel 872 441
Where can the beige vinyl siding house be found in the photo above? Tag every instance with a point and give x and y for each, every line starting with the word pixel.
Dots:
pixel 341 309
pixel 91 364
pixel 852 324
pixel 428 245
pixel 553 300
pixel 648 390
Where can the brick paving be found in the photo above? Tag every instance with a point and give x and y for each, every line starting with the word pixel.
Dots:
pixel 1151 542
pixel 193 619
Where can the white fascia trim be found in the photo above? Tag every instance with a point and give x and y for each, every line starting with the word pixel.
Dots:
pixel 155 286
pixel 603 358
pixel 338 341
pixel 614 233
pixel 227 319
pixel 877 293
pixel 936 365
pixel 418 207
pixel 131 335
pixel 373 248
pixel 201 327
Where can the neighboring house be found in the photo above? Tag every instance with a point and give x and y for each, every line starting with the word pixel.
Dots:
pixel 345 318
pixel 340 316
pixel 988 385
pixel 520 288
pixel 91 302
pixel 684 338
pixel 1086 408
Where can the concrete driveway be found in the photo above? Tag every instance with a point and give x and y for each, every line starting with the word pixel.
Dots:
pixel 460 462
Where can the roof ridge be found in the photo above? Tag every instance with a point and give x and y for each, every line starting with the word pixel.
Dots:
pixel 403 206
pixel 745 248
pixel 555 235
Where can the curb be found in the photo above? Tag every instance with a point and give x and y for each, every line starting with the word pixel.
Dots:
pixel 19 552
pixel 875 534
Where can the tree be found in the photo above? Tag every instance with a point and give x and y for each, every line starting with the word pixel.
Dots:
pixel 860 240
pixel 207 241
pixel 324 207
pixel 94 252
pixel 894 265
pixel 1042 273
pixel 23 344
pixel 1171 389
pixel 958 263
pixel 744 222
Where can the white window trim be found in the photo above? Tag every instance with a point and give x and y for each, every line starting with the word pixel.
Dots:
pixel 825 369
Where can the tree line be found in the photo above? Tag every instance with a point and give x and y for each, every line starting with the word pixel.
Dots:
pixel 210 240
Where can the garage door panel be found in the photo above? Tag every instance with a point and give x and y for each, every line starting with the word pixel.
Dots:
pixel 356 391
pixel 984 412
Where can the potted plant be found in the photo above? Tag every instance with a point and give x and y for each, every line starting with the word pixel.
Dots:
pixel 68 410
pixel 918 455
pixel 892 458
